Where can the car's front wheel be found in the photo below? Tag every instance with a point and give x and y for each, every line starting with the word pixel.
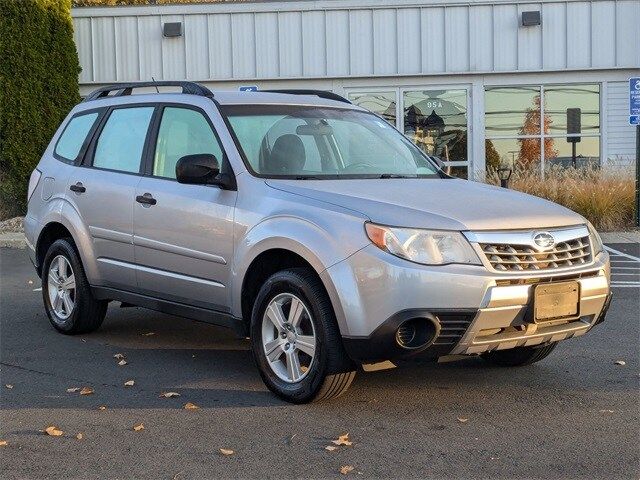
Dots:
pixel 296 341
pixel 67 296
pixel 519 356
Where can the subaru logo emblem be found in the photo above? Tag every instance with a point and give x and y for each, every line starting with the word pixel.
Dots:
pixel 544 240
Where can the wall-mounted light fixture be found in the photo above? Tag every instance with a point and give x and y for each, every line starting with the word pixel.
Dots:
pixel 531 19
pixel 172 29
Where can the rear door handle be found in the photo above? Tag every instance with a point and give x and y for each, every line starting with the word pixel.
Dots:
pixel 78 188
pixel 146 199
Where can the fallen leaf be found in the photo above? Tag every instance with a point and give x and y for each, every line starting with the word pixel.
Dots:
pixel 463 419
pixel 30 282
pixel 137 427
pixel 129 383
pixel 346 469
pixel 331 448
pixel 620 362
pixel 169 394
pixel 79 436
pixel 118 356
pixel 342 440
pixel 190 406
pixel 102 407
pixel 73 389
pixel 53 431
pixel 9 386
pixel 226 451
pixel 86 391
pixel 3 443
pixel 148 334
pixel 122 363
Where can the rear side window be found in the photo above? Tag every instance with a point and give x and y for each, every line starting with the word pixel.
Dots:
pixel 74 135
pixel 121 141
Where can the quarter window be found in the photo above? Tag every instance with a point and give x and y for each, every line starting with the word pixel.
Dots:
pixel 122 139
pixel 182 132
pixel 74 135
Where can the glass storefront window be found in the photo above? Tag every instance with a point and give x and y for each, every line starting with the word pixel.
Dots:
pixel 515 153
pixel 382 103
pixel 587 152
pixel 512 111
pixel 526 127
pixel 436 121
pixel 557 99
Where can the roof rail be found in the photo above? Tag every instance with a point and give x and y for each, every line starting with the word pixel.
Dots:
pixel 317 93
pixel 123 89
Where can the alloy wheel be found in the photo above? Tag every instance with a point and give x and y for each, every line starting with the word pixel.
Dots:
pixel 61 286
pixel 288 337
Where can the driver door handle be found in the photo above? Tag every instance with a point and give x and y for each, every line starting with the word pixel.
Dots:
pixel 146 199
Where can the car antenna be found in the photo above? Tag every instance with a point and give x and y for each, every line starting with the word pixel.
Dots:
pixel 157 90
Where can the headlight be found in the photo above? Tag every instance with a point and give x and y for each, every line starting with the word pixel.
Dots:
pixel 596 241
pixel 428 247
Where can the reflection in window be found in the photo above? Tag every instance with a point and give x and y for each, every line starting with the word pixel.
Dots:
pixel 382 103
pixel 587 153
pixel 436 121
pixel 507 107
pixel 507 152
pixel 525 125
pixel 559 98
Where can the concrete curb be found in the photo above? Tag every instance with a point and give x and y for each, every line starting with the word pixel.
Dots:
pixel 13 240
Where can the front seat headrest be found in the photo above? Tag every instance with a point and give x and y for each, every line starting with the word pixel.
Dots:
pixel 287 155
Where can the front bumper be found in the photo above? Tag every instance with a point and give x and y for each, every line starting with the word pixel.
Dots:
pixel 479 310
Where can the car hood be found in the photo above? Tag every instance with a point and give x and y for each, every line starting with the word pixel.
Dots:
pixel 448 204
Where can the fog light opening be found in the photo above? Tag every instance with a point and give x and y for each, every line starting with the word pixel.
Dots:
pixel 417 333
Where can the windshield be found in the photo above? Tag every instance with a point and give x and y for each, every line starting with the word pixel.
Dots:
pixel 291 141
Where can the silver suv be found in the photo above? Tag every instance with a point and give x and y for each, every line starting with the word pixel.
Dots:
pixel 306 223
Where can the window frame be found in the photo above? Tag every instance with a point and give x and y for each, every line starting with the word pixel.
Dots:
pixel 88 158
pixel 542 136
pixel 87 140
pixel 156 119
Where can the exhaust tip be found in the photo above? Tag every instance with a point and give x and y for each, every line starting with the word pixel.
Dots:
pixel 417 333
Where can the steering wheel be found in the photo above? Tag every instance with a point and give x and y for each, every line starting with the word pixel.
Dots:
pixel 354 167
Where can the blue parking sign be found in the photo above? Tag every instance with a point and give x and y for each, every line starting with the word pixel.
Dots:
pixel 248 88
pixel 634 101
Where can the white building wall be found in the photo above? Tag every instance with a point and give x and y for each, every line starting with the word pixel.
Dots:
pixel 621 137
pixel 349 38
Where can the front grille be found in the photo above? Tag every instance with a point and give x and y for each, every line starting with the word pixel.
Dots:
pixel 506 257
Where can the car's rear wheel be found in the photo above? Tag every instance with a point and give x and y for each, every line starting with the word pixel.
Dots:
pixel 296 341
pixel 67 296
pixel 520 356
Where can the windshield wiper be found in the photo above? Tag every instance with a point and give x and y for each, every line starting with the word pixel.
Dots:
pixel 307 177
pixel 396 175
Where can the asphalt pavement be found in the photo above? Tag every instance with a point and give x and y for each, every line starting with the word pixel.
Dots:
pixel 573 415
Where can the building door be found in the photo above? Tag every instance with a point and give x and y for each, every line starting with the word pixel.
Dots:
pixel 435 119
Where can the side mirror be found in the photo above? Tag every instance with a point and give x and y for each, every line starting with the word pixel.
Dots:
pixel 198 169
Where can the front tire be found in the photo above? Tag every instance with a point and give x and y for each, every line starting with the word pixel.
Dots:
pixel 70 306
pixel 519 356
pixel 296 341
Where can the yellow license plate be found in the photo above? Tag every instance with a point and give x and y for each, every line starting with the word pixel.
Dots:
pixel 554 301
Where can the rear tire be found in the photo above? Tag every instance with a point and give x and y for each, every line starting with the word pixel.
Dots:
pixel 520 356
pixel 327 373
pixel 70 306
